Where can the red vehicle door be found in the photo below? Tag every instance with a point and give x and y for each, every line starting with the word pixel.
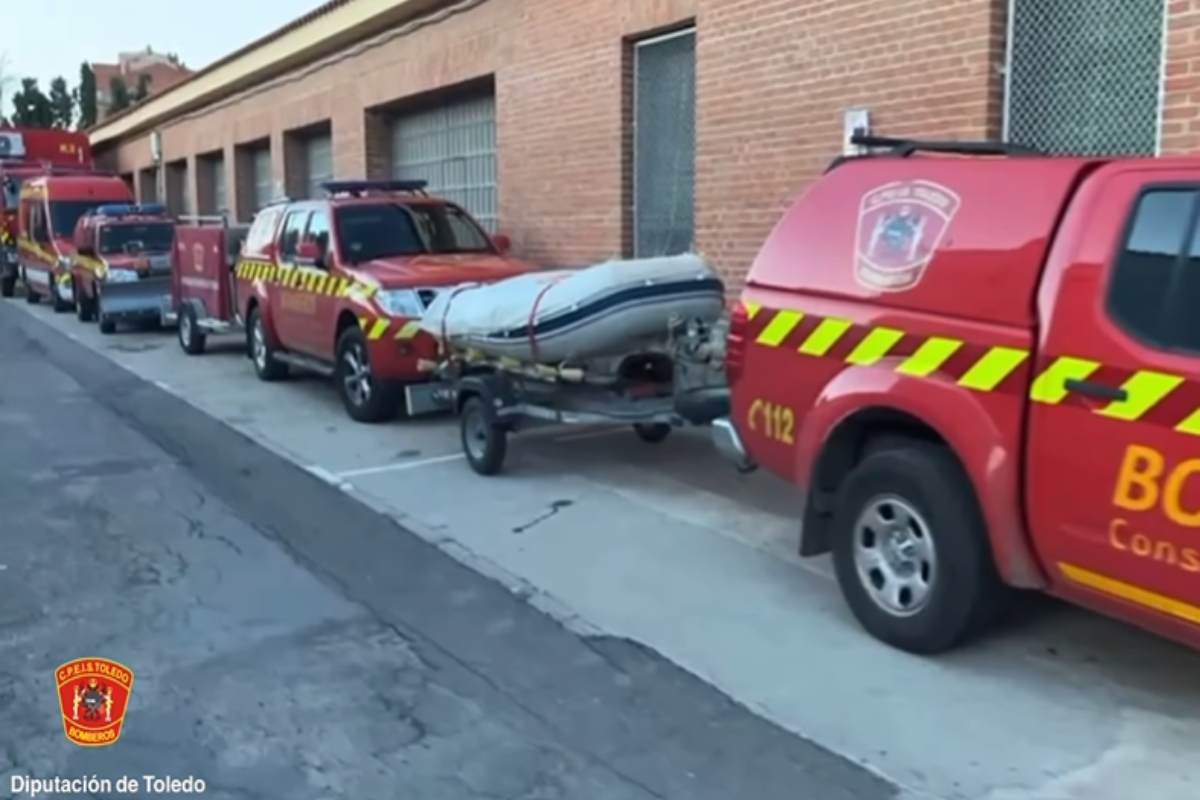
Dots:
pixel 292 309
pixel 318 339
pixel 1114 477
pixel 37 251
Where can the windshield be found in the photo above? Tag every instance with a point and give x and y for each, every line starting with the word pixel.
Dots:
pixel 367 232
pixel 65 213
pixel 151 237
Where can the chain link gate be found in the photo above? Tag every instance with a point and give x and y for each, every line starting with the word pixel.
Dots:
pixel 1084 76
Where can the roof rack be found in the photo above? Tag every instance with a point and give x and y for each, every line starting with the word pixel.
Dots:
pixel 363 188
pixel 895 147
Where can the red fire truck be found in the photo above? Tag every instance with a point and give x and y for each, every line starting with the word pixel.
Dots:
pixel 26 153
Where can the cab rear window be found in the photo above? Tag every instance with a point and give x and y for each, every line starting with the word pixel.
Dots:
pixel 1156 281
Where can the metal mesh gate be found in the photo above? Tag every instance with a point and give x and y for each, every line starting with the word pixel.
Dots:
pixel 664 144
pixel 318 163
pixel 453 147
pixel 1084 76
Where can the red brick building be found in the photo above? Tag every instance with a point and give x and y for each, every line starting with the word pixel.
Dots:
pixel 159 72
pixel 588 128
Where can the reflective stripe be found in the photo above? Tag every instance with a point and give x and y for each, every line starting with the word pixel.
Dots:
pixel 778 328
pixel 409 330
pixel 1050 387
pixel 752 309
pixel 930 356
pixel 1145 389
pixel 363 322
pixel 1190 425
pixel 877 344
pixel 827 334
pixel 1134 594
pixel 990 371
pixel 379 329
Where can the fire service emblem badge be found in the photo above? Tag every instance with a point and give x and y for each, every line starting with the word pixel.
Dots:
pixel 900 227
pixel 93 694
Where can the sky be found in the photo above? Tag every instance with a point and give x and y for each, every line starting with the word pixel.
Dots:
pixel 45 38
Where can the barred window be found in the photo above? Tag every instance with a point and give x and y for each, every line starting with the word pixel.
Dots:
pixel 1084 77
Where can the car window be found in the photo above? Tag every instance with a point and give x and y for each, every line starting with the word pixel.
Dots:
pixel 10 187
pixel 293 229
pixel 1158 261
pixel 318 232
pixel 262 232
pixel 37 223
pixel 65 214
pixel 366 232
pixel 150 237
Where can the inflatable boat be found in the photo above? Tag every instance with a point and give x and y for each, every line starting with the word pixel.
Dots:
pixel 573 315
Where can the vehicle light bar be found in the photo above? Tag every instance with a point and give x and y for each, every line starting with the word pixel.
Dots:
pixel 127 209
pixel 359 188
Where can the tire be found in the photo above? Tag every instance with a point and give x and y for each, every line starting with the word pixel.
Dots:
pixel 85 308
pixel 107 325
pixel 484 444
pixel 652 432
pixel 191 338
pixel 911 550
pixel 8 286
pixel 31 296
pixel 261 351
pixel 367 399
pixel 60 306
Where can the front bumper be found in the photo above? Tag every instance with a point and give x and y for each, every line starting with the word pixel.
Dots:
pixel 402 360
pixel 729 444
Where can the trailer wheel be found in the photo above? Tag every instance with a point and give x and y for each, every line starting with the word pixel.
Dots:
pixel 191 338
pixel 484 443
pixel 262 352
pixel 366 397
pixel 652 432
pixel 8 286
pixel 911 551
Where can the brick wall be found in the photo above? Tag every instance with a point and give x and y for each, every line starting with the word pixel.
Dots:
pixel 773 79
pixel 1181 95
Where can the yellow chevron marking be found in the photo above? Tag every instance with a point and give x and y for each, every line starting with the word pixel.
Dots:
pixel 930 356
pixel 872 349
pixel 997 364
pixel 778 328
pixel 752 309
pixel 1050 386
pixel 409 330
pixel 321 283
pixel 1144 389
pixel 378 330
pixel 827 334
pixel 1134 594
pixel 1191 425
pixel 363 322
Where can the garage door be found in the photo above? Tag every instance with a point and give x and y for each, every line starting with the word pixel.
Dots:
pixel 318 163
pixel 453 147
pixel 262 177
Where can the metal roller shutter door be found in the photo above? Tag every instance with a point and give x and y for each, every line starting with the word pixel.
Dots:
pixel 318 163
pixel 454 148
pixel 262 177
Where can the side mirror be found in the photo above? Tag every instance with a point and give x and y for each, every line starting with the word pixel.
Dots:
pixel 503 243
pixel 309 253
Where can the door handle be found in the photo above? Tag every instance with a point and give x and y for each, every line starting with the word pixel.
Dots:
pixel 1101 391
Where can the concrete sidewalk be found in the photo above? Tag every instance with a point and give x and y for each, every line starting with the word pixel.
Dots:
pixel 667 546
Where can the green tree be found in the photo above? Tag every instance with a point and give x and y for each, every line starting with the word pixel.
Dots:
pixel 143 88
pixel 119 93
pixel 62 105
pixel 85 96
pixel 31 108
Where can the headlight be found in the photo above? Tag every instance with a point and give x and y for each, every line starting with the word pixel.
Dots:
pixel 400 303
pixel 121 276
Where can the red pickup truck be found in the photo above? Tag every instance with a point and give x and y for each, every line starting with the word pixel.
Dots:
pixel 983 366
pixel 337 286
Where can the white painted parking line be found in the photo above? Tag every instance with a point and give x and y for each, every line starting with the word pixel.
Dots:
pixel 400 467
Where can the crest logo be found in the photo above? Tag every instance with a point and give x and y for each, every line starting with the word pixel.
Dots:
pixel 93 694
pixel 900 227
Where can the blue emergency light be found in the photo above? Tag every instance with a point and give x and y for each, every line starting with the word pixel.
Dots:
pixel 359 188
pixel 127 209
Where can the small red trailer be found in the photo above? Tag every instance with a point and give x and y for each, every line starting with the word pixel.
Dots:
pixel 203 289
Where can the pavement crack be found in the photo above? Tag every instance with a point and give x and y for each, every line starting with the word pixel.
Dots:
pixel 196 529
pixel 552 511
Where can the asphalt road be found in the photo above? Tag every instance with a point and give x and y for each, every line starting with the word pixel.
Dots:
pixel 289 642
